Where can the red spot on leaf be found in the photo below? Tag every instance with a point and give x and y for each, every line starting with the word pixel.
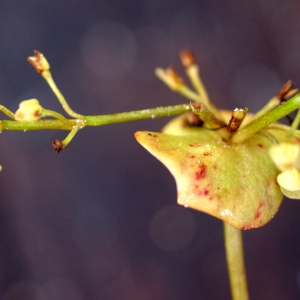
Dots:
pixel 260 145
pixel 201 173
pixel 207 154
pixel 258 212
pixel 257 215
pixel 201 192
pixel 191 145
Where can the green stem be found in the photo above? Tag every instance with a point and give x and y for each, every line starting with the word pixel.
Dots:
pixel 54 114
pixel 70 136
pixel 188 93
pixel 272 116
pixel 37 125
pixel 193 74
pixel 209 119
pixel 294 125
pixel 269 106
pixel 7 112
pixel 48 77
pixel 150 113
pixel 235 262
pixel 163 111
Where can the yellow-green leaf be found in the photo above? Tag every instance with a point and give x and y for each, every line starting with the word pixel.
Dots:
pixel 233 182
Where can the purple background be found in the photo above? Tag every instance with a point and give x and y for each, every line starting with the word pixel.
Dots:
pixel 100 220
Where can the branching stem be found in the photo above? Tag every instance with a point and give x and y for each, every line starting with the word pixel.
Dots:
pixel 295 125
pixel 99 120
pixel 272 116
pixel 151 113
pixel 48 77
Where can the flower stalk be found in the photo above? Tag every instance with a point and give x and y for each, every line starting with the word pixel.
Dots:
pixel 188 60
pixel 58 145
pixel 61 123
pixel 48 77
pixel 42 66
pixel 268 118
pixel 235 262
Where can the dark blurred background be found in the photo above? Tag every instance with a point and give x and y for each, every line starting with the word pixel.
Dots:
pixel 100 220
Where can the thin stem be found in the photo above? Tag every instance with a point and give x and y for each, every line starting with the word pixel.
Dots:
pixel 188 93
pixel 58 145
pixel 54 114
pixel 235 262
pixel 272 116
pixel 208 118
pixel 37 125
pixel 193 74
pixel 273 102
pixel 7 112
pixel 283 127
pixel 48 77
pixel 171 78
pixel 70 136
pixel 163 111
pixel 294 125
pixel 150 113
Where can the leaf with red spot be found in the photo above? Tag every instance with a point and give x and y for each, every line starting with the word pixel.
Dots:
pixel 233 182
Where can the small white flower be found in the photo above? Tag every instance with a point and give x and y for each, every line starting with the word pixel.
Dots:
pixel 285 155
pixel 289 179
pixel 289 182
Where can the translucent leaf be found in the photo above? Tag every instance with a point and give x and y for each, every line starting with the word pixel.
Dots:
pixel 233 182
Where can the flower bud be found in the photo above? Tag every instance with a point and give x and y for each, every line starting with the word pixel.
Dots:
pixel 39 62
pixel 170 77
pixel 57 145
pixel 29 110
pixel 285 89
pixel 285 155
pixel 188 58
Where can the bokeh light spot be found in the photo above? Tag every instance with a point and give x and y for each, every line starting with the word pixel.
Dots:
pixel 109 49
